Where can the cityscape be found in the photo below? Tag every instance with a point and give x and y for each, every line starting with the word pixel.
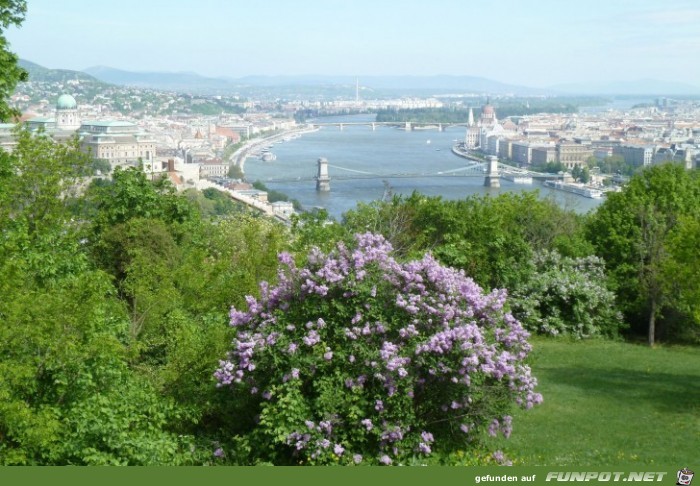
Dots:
pixel 460 234
pixel 198 140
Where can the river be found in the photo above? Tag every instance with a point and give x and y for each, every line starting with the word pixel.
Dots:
pixel 384 151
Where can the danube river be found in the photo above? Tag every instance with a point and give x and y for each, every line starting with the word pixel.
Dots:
pixel 385 151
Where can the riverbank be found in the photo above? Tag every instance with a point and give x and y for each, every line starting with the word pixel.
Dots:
pixel 239 157
pixel 459 150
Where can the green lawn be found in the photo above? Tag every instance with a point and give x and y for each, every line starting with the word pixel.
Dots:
pixel 610 404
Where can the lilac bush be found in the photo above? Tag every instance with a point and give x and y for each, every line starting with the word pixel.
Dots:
pixel 359 359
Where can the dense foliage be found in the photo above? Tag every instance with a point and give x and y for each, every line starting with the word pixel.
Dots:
pixel 634 232
pixel 357 358
pixel 11 13
pixel 567 296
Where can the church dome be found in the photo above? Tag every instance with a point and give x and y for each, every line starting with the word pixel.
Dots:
pixel 487 110
pixel 66 102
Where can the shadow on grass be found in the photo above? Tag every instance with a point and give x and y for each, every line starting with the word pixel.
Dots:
pixel 668 392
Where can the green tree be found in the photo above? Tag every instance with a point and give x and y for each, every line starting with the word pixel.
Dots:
pixel 11 13
pixel 683 268
pixel 67 394
pixel 631 230
pixel 576 172
pixel 492 239
pixel 585 175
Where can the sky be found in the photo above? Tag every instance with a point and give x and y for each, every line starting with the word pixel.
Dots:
pixel 536 43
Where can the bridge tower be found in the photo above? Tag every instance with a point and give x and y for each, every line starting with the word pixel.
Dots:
pixel 374 126
pixel 492 178
pixel 440 129
pixel 341 127
pixel 408 126
pixel 323 180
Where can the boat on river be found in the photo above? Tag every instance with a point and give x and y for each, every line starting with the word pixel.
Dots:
pixel 579 189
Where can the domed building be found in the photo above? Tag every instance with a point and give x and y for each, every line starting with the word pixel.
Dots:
pixel 66 118
pixel 118 142
pixel 67 113
pixel 478 134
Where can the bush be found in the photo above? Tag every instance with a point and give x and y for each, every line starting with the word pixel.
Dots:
pixel 357 358
pixel 567 296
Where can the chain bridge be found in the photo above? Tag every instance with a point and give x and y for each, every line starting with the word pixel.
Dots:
pixel 491 170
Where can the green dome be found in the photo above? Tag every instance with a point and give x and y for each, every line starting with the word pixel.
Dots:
pixel 66 102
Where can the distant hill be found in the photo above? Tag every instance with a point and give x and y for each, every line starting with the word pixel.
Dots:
pixel 43 74
pixel 440 84
pixel 196 83
pixel 638 87
pixel 157 80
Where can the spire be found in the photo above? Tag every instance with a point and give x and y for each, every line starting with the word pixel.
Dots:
pixel 471 118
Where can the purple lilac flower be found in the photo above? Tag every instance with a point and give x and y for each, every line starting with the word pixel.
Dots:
pixel 500 458
pixel 427 437
pixel 357 458
pixel 367 423
pixel 507 426
pixel 493 428
pixel 312 338
pixel 219 452
pixel 379 405
pixel 424 448
pixel 386 460
pixel 338 450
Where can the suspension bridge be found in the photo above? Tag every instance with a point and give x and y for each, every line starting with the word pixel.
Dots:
pixel 491 170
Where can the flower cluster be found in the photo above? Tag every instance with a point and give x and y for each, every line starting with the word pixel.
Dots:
pixel 362 359
pixel 567 296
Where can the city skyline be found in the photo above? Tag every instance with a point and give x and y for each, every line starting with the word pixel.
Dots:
pixel 538 44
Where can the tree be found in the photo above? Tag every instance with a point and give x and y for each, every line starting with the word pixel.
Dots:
pixel 67 394
pixel 576 172
pixel 585 175
pixel 11 13
pixel 631 230
pixel 683 267
pixel 492 239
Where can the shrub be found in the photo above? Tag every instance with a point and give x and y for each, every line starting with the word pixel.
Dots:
pixel 567 296
pixel 356 358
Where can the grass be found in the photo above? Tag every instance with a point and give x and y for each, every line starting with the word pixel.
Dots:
pixel 609 403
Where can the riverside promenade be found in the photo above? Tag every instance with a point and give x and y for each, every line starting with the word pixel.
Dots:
pixel 239 156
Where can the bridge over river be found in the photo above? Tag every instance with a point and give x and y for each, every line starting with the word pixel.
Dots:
pixel 491 170
pixel 408 126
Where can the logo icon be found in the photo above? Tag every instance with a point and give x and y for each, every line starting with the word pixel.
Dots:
pixel 685 476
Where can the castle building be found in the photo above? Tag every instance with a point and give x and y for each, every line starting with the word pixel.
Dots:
pixel 118 142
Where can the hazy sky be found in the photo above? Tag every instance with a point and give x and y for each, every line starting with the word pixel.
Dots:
pixel 535 43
